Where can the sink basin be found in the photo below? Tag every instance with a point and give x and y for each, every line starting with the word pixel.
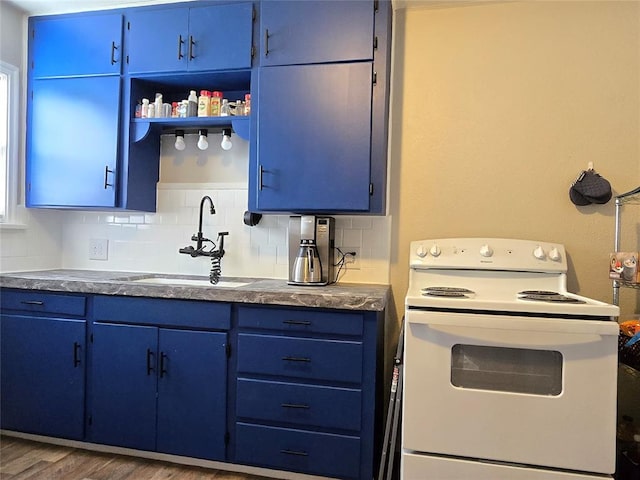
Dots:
pixel 189 282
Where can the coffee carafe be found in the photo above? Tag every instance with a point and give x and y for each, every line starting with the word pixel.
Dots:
pixel 307 268
pixel 311 244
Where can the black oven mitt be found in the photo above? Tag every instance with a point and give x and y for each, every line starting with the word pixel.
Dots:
pixel 590 188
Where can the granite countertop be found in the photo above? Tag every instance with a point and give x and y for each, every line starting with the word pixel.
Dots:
pixel 350 296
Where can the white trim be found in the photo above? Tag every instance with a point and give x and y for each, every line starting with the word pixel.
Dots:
pixel 13 130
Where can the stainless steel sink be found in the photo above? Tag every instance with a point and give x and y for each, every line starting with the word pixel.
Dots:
pixel 204 282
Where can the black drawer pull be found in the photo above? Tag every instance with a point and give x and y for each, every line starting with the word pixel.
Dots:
pixel 296 322
pixel 295 405
pixel 294 452
pixel 297 359
pixel 32 302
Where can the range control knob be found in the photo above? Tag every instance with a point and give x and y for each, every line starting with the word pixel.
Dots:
pixel 421 251
pixel 538 252
pixel 486 250
pixel 554 254
pixel 435 250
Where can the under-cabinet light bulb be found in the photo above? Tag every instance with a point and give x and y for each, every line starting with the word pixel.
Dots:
pixel 203 144
pixel 226 142
pixel 180 145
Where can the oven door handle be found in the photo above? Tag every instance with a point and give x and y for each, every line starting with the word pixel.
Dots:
pixel 465 323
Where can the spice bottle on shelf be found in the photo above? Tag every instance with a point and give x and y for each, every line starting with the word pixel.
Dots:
pixel 204 103
pixel 216 100
pixel 192 110
pixel 247 104
pixel 152 110
pixel 225 111
pixel 239 110
pixel 183 108
pixel 174 109
pixel 158 105
pixel 144 111
pixel 138 111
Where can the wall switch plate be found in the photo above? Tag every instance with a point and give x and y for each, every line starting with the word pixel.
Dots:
pixel 98 249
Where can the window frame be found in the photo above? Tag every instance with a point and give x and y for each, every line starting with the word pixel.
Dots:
pixel 13 111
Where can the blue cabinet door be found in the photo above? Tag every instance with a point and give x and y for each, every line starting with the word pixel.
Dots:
pixel 313 148
pixel 221 37
pixel 72 142
pixel 216 37
pixel 123 385
pixel 157 40
pixel 316 31
pixel 76 45
pixel 42 374
pixel 192 393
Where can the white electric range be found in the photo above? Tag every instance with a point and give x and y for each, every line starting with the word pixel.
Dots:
pixel 507 375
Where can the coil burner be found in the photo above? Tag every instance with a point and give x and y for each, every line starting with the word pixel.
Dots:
pixel 450 292
pixel 546 296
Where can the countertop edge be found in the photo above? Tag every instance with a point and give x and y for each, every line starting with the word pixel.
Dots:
pixel 352 296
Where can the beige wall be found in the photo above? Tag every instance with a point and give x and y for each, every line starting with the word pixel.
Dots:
pixel 495 110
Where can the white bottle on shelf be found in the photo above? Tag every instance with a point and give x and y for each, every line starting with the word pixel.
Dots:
pixel 145 108
pixel 158 105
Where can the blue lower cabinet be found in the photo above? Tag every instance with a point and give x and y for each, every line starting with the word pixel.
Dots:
pixel 159 389
pixel 298 450
pixel 42 373
pixel 336 360
pixel 307 390
pixel 300 404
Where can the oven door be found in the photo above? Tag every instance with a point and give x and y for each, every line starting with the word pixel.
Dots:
pixel 530 390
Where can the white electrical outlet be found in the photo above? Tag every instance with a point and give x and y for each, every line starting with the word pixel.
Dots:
pixel 351 262
pixel 98 249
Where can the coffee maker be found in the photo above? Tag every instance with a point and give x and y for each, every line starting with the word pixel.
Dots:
pixel 311 250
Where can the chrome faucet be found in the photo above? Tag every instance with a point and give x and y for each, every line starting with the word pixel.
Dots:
pixel 199 250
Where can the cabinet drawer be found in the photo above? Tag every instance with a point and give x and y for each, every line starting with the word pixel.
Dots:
pixel 162 312
pixel 299 451
pixel 44 302
pixel 296 321
pixel 318 406
pixel 332 360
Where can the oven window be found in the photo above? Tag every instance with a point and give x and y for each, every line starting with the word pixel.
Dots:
pixel 517 370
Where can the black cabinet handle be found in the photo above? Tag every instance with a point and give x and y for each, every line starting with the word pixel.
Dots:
pixel 163 371
pixel 32 302
pixel 294 452
pixel 76 354
pixel 295 405
pixel 180 43
pixel 266 42
pixel 260 171
pixel 297 359
pixel 113 53
pixel 297 322
pixel 191 44
pixel 107 171
pixel 149 361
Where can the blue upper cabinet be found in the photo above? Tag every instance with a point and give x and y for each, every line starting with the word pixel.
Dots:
pixel 314 150
pixel 72 142
pixel 313 31
pixel 319 140
pixel 71 46
pixel 215 37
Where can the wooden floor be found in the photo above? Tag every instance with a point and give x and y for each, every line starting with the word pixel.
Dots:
pixel 23 459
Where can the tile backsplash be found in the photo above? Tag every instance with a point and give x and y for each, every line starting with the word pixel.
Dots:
pixel 150 242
